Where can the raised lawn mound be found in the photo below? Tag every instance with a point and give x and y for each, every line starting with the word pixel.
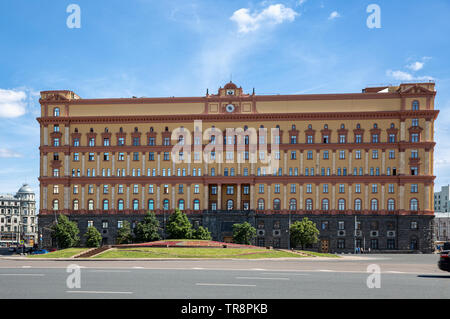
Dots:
pixel 188 244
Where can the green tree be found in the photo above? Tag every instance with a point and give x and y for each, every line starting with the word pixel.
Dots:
pixel 93 237
pixel 148 229
pixel 65 232
pixel 124 235
pixel 201 233
pixel 243 233
pixel 178 226
pixel 303 232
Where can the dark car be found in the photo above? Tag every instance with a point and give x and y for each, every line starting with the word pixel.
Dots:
pixel 444 261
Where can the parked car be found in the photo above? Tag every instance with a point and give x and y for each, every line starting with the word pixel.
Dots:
pixel 12 249
pixel 444 260
pixel 40 252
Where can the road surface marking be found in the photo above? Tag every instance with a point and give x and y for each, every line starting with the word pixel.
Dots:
pixel 284 274
pixel 227 285
pixel 104 270
pixel 198 268
pixel 26 266
pixel 262 278
pixel 29 275
pixel 257 269
pixel 99 292
pixel 326 270
pixel 138 267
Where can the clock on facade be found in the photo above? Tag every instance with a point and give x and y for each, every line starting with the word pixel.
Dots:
pixel 230 92
pixel 230 108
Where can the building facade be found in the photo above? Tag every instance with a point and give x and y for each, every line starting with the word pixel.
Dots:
pixel 359 165
pixel 18 218
pixel 441 200
pixel 442 227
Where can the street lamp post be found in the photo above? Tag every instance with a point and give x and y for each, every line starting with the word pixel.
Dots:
pixel 289 231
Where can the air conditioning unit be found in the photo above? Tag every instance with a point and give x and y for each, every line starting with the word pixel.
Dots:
pixel 374 233
pixel 341 232
pixel 391 233
pixel 358 233
pixel 276 233
pixel 261 232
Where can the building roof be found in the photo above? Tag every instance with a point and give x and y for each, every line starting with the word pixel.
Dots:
pixel 25 189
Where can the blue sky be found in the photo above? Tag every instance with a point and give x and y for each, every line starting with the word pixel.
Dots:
pixel 180 48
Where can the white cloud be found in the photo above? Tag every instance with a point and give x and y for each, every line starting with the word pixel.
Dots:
pixel 416 66
pixel 334 15
pixel 300 2
pixel 12 103
pixel 272 15
pixel 7 153
pixel 405 76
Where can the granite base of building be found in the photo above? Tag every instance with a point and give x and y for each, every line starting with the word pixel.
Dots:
pixel 338 233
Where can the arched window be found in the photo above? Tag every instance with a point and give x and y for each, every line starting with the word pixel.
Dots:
pixel 415 105
pixel 91 204
pixel 391 204
pixel 358 126
pixel 276 204
pixel 75 205
pixel 135 204
pixel 341 204
pixel 230 204
pixel 55 204
pixel 414 204
pixel 325 204
pixel 260 204
pixel 342 126
pixel 375 125
pixel 106 130
pixel 166 204
pixel 357 204
pixel 120 204
pixel 196 204
pixel 151 204
pixel 151 129
pixel 374 204
pixel 293 204
pixel 309 204
pixel 56 111
pixel 181 204
pixel 105 204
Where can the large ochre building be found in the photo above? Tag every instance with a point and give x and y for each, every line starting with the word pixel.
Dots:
pixel 359 165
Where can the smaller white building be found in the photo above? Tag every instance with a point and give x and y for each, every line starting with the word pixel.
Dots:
pixel 18 220
pixel 441 200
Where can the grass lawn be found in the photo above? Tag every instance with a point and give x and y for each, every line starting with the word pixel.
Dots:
pixel 63 253
pixel 314 254
pixel 149 252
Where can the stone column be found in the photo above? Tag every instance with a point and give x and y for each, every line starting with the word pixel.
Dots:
pixel 143 197
pixel 301 164
pixel 350 199
pixel 66 165
pixel 285 168
pixel 269 201
pixel 402 197
pixel 113 164
pixel 301 197
pixel 128 197
pixel 350 158
pixel 285 205
pixel 173 197
pixel 402 162
pixel 143 164
pixel 402 131
pixel 219 197
pixel 383 162
pixel 188 204
pixel 83 205
pixel 159 164
pixel 427 162
pixel 428 132
pixel 333 197
pixel 334 163
pixel 252 196
pixel 45 136
pixel 427 198
pixel 158 196
pixel 238 206
pixel 113 188
pixel 366 162
pixel 97 204
pixel 383 199
pixel 128 164
pixel 317 197
pixel 83 166
pixel 66 197
pixel 366 196
pixel 45 164
pixel 205 202
pixel 98 165
pixel 66 136
pixel 45 197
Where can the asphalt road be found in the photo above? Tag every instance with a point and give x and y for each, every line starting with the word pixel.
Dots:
pixel 402 276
